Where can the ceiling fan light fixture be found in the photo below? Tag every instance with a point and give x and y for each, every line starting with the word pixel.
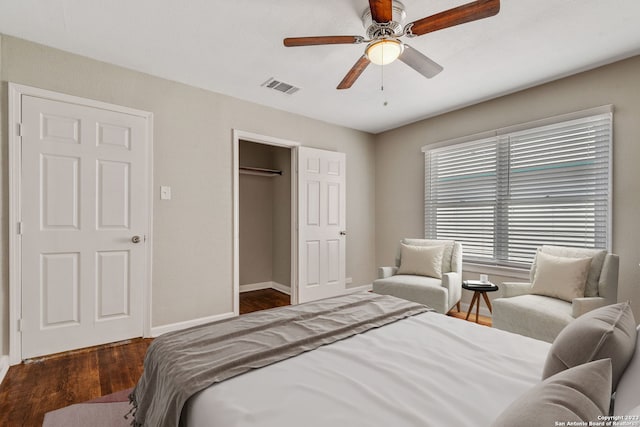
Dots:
pixel 384 51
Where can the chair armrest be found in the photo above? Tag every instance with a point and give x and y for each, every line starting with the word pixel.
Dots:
pixel 384 272
pixel 513 289
pixel 580 306
pixel 452 280
pixel 453 283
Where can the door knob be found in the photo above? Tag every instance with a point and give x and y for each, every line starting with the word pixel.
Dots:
pixel 136 239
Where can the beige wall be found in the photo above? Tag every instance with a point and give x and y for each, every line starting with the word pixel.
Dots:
pixel 281 242
pixel 192 246
pixel 256 216
pixel 400 163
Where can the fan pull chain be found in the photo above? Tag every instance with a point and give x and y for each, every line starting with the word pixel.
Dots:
pixel 384 101
pixel 382 76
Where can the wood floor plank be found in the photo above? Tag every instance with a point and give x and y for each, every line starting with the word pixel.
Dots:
pixel 262 299
pixel 119 367
pixel 32 389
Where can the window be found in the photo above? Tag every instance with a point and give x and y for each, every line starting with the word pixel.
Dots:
pixel 504 195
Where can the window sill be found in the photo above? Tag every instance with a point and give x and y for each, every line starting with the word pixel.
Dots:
pixel 494 270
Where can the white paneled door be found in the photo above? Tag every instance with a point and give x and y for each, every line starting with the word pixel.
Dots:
pixel 84 221
pixel 322 217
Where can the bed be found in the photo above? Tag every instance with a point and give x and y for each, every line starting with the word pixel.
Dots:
pixel 424 369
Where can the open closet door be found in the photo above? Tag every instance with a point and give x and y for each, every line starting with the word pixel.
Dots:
pixel 321 219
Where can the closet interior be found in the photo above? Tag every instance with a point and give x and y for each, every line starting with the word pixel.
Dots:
pixel 265 220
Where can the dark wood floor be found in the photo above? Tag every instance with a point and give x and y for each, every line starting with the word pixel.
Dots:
pixel 31 389
pixel 262 299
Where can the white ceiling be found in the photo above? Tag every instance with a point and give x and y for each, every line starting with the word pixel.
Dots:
pixel 232 47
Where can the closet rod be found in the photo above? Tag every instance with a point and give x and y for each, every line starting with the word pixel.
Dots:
pixel 259 171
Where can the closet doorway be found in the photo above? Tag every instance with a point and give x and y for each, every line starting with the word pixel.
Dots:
pixel 264 255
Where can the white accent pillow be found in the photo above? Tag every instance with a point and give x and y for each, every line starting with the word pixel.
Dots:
pixel 421 260
pixel 560 277
pixel 447 254
pixel 597 260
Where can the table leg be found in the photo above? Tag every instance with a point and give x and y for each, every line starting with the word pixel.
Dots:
pixel 473 301
pixel 478 305
pixel 486 299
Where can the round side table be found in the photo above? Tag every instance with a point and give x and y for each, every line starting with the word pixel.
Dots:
pixel 477 291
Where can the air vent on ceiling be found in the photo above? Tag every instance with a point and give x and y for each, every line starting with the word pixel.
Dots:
pixel 280 86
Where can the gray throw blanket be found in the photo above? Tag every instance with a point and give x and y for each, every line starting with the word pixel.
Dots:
pixel 180 364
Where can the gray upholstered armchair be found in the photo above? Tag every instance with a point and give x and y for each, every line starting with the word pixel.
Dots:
pixel 542 307
pixel 426 271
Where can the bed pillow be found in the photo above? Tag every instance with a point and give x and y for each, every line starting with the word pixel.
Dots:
pixel 628 391
pixel 560 277
pixel 581 393
pixel 421 260
pixel 607 332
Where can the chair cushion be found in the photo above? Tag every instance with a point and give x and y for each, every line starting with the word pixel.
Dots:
pixel 420 289
pixel 446 255
pixel 597 260
pixel 535 316
pixel 560 277
pixel 578 394
pixel 421 260
pixel 604 333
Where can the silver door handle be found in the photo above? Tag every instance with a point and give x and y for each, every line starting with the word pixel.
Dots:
pixel 136 239
pixel 343 233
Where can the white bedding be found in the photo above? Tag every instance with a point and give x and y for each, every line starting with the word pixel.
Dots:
pixel 426 370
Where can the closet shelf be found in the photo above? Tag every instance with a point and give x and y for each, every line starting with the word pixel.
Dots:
pixel 247 170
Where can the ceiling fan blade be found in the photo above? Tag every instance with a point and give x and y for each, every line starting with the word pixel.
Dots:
pixel 456 16
pixel 381 10
pixel 419 62
pixel 354 73
pixel 309 41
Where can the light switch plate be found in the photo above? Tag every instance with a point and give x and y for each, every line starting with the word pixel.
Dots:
pixel 165 192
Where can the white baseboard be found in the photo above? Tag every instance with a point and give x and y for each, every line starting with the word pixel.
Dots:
pixel 361 288
pixel 4 367
pixel 282 288
pixel 255 286
pixel 159 330
pixel 265 285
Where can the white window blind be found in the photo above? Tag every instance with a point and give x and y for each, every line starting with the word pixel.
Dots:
pixel 504 196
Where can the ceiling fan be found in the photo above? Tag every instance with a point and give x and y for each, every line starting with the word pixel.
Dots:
pixel 383 21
